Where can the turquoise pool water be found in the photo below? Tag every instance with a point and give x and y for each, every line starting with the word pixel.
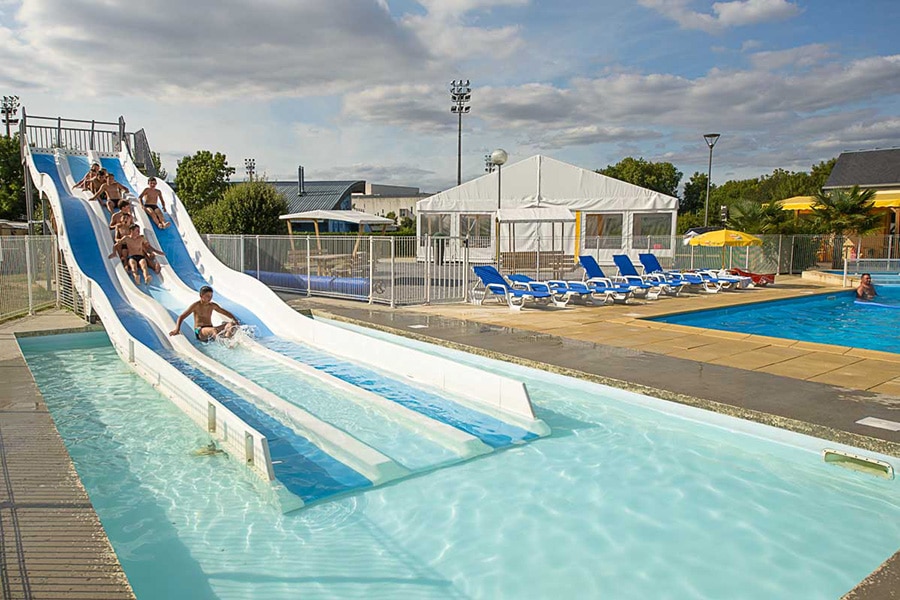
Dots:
pixel 629 498
pixel 829 319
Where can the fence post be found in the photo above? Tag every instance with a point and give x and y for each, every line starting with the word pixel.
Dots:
pixel 537 260
pixel 692 258
pixel 393 258
pixel 28 272
pixel 241 254
pixel 429 256
pixel 257 257
pixel 308 270
pixel 59 132
pixel 371 269
pixel 791 265
pixel 465 277
pixel 55 250
pixel 747 259
pixel 778 267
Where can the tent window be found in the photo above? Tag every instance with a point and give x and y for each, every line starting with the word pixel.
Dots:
pixel 603 231
pixel 435 224
pixel 477 228
pixel 652 231
pixel 652 225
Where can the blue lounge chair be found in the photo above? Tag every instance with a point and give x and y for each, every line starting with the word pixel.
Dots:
pixel 627 269
pixel 498 287
pixel 652 267
pixel 594 275
pixel 575 289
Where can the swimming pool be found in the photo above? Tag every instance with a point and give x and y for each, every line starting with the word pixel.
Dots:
pixel 824 318
pixel 629 498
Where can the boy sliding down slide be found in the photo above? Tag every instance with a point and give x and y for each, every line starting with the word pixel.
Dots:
pixel 202 310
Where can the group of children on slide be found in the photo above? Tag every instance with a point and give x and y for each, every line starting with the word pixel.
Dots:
pixel 136 252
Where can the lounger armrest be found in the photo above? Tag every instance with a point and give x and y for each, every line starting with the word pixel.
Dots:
pixel 601 280
pixel 497 288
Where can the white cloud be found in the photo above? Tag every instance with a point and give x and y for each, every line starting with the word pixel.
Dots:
pixel 796 58
pixel 737 13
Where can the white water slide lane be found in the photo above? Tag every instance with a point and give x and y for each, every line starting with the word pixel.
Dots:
pixel 291 434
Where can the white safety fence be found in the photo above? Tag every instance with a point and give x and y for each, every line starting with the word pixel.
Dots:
pixel 405 270
pixel 32 277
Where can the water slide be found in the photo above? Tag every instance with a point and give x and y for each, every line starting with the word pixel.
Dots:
pixel 398 411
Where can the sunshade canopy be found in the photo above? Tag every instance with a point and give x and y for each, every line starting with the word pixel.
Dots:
pixel 347 216
pixel 882 199
pixel 725 237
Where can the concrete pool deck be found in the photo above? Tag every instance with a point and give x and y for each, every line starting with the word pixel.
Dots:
pixel 52 544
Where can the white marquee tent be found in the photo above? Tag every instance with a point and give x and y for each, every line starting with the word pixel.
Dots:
pixel 610 216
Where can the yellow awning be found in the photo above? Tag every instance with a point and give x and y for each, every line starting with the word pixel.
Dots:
pixel 883 199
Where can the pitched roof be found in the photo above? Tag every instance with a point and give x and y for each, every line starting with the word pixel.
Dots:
pixel 319 195
pixel 866 168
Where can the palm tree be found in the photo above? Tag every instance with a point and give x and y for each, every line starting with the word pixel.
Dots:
pixel 846 212
pixel 753 217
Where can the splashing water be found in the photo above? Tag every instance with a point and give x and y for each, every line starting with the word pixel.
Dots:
pixel 242 334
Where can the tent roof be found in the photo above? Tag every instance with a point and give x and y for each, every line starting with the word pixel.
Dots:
pixel 540 180
pixel 347 216
pixel 536 214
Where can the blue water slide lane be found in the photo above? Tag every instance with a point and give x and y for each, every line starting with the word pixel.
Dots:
pixel 298 464
pixel 490 430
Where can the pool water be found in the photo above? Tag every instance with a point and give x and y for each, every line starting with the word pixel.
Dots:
pixel 629 498
pixel 825 318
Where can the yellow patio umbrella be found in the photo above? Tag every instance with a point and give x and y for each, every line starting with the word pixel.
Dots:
pixel 725 237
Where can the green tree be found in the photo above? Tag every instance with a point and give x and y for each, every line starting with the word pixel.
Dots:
pixel 202 179
pixel 251 208
pixel 662 177
pixel 686 220
pixel 694 198
pixel 818 175
pixel 12 184
pixel 846 212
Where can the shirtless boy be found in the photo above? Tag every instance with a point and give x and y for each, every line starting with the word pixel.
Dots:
pixel 202 310
pixel 113 190
pixel 138 248
pixel 151 198
pixel 121 229
pixel 89 177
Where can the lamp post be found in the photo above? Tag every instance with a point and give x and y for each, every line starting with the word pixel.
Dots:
pixel 9 108
pixel 250 166
pixel 498 159
pixel 460 95
pixel 711 139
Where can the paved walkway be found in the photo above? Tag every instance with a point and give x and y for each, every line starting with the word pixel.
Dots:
pixel 52 544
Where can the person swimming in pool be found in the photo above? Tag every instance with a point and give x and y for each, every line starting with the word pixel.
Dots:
pixel 866 289
pixel 202 310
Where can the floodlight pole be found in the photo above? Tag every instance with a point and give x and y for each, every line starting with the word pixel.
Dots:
pixel 460 95
pixel 711 139
pixel 250 166
pixel 9 108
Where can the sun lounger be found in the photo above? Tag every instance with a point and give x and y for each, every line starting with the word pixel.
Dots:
pixel 627 269
pixel 576 289
pixel 594 275
pixel 497 286
pixel 652 267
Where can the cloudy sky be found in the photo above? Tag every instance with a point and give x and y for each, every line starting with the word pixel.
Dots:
pixel 358 89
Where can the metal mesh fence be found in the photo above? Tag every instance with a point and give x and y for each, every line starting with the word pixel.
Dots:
pixel 27 274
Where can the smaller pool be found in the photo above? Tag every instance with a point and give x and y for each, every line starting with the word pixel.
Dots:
pixel 825 318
